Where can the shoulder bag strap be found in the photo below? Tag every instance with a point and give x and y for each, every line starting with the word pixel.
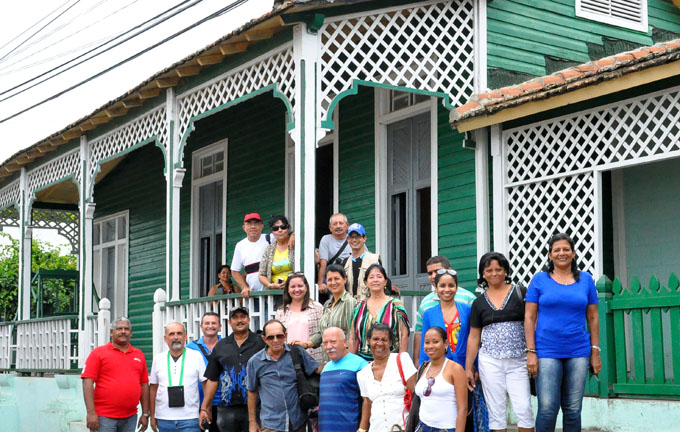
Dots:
pixel 205 353
pixel 401 369
pixel 337 254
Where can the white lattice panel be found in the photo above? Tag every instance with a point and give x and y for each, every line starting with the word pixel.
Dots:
pixel 425 47
pixel 627 131
pixel 66 222
pixel 149 125
pixel 44 345
pixel 9 194
pixel 5 346
pixel 536 211
pixel 9 217
pixel 277 68
pixel 53 171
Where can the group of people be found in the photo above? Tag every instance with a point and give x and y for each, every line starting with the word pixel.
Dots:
pixel 470 352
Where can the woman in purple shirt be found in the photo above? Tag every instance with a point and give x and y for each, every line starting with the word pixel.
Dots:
pixel 560 349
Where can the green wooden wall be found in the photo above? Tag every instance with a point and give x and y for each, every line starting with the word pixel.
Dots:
pixel 529 38
pixel 137 184
pixel 255 168
pixel 457 209
pixel 356 163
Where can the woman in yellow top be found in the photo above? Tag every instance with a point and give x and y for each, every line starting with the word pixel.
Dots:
pixel 278 259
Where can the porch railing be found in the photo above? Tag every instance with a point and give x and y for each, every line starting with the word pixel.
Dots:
pixel 640 339
pixel 261 306
pixel 47 344
pixel 6 345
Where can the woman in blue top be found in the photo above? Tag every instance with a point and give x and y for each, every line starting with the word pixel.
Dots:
pixel 454 317
pixel 560 349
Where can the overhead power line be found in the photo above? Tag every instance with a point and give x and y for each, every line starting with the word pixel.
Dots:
pixel 38 31
pixel 33 25
pixel 213 15
pixel 41 75
pixel 17 61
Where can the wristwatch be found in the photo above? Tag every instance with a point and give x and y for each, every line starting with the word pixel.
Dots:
pixel 147 414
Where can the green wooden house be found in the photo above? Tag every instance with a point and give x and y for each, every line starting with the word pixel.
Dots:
pixel 326 106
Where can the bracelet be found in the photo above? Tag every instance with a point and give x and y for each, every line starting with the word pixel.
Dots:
pixel 205 411
pixel 529 350
pixel 596 348
pixel 361 430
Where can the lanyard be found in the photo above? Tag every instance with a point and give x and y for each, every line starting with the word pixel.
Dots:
pixel 181 374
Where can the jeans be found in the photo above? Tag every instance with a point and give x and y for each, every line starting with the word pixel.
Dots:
pixel 560 383
pixel 232 419
pixel 190 425
pixel 108 424
pixel 422 427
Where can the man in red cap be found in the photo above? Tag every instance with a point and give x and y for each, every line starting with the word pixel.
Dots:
pixel 247 255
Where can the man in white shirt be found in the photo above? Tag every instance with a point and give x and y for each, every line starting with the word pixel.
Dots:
pixel 247 255
pixel 174 379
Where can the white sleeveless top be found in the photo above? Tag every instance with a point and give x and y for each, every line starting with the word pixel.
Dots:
pixel 438 410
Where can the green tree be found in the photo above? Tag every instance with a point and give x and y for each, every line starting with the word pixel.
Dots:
pixel 44 255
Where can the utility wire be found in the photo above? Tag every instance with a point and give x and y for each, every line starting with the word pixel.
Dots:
pixel 37 22
pixel 38 31
pixel 42 49
pixel 214 15
pixel 175 13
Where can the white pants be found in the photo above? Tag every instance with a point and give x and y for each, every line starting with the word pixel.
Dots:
pixel 501 376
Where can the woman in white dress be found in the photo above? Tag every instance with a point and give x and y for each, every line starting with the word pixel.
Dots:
pixel 382 385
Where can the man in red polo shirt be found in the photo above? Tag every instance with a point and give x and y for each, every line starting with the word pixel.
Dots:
pixel 119 371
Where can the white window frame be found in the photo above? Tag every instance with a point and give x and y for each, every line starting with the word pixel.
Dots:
pixel 383 118
pixel 641 26
pixel 194 247
pixel 115 243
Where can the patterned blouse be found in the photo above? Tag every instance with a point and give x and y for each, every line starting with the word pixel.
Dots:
pixel 268 258
pixel 505 339
pixel 339 316
pixel 314 311
pixel 392 313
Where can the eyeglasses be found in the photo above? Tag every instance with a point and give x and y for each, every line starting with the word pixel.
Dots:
pixel 428 390
pixel 278 227
pixel 279 336
pixel 443 271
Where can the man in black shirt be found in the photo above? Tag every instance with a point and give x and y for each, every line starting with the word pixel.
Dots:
pixel 228 367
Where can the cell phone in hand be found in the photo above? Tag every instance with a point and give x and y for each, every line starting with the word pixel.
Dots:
pixel 205 424
pixel 279 280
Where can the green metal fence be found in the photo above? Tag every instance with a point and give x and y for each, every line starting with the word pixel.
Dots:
pixel 640 339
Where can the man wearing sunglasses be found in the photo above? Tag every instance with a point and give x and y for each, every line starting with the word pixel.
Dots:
pixel 271 377
pixel 227 367
pixel 462 295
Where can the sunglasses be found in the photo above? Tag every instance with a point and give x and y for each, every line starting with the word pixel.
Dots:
pixel 442 271
pixel 278 227
pixel 280 336
pixel 428 389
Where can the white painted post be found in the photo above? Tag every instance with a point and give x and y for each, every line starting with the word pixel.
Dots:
pixel 174 175
pixel 86 209
pixel 103 322
pixel 499 222
pixel 306 52
pixel 482 192
pixel 159 298
pixel 25 239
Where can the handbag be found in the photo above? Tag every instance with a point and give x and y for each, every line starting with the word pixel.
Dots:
pixel 532 379
pixel 408 396
pixel 414 412
pixel 308 385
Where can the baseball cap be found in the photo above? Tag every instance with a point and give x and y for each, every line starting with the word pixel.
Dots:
pixel 357 228
pixel 241 309
pixel 252 216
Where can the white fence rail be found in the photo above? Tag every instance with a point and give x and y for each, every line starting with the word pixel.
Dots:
pixel 45 344
pixel 5 345
pixel 261 307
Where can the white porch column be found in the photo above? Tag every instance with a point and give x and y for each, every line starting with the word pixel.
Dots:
pixel 174 175
pixel 482 192
pixel 306 50
pixel 86 208
pixel 25 240
pixel 499 222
